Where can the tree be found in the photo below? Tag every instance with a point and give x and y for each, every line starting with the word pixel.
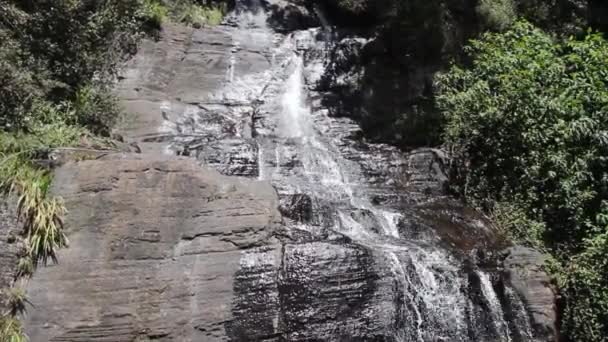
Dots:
pixel 527 122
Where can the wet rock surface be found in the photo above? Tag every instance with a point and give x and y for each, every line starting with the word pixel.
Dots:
pixel 354 241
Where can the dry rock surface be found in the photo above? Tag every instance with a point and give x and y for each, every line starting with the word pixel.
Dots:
pixel 154 247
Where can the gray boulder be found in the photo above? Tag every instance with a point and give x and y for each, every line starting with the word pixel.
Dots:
pixel 523 269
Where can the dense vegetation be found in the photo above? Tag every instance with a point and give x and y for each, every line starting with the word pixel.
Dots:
pixel 57 63
pixel 527 123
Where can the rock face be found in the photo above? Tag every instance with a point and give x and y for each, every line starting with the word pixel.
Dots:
pixel 354 241
pixel 155 244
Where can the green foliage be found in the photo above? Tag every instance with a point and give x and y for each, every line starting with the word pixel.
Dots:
pixel 560 16
pixel 11 330
pixel 197 15
pixel 527 125
pixel 20 86
pixel 497 14
pixel 189 12
pixel 514 222
pixel 154 13
pixel 64 52
pixel 40 214
pixel 585 297
pixel 96 109
pixel 77 41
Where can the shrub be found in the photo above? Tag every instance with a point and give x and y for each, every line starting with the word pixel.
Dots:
pixel 19 86
pixel 527 124
pixel 515 223
pixel 40 213
pixel 585 298
pixel 153 14
pixel 197 15
pixel 74 41
pixel 11 330
pixel 497 14
pixel 96 109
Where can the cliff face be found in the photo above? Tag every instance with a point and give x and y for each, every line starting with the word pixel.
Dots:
pixel 341 240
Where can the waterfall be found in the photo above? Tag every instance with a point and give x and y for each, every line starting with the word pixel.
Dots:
pixel 494 304
pixel 302 151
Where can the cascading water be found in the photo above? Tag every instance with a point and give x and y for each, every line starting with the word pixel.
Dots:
pixel 292 142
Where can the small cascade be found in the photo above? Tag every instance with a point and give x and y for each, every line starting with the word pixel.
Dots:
pixel 495 307
pixel 293 123
pixel 232 62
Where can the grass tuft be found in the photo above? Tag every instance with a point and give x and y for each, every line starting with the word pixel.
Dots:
pixel 42 217
pixel 199 16
pixel 154 13
pixel 25 267
pixel 40 213
pixel 11 330
pixel 16 301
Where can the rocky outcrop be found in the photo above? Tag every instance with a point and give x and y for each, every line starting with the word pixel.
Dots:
pixel 162 249
pixel 154 246
pixel 524 271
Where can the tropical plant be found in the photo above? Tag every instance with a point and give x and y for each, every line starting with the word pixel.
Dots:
pixel 11 330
